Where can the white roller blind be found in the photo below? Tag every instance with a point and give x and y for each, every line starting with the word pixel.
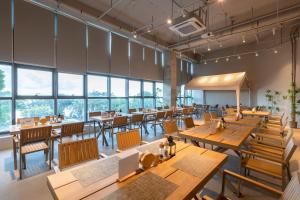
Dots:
pixel 34 34
pixel 71 50
pixel 5 31
pixel 119 55
pixel 98 51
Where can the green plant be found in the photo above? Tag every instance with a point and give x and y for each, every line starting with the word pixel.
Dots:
pixel 294 105
pixel 272 98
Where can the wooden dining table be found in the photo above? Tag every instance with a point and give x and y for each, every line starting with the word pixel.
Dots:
pixel 256 113
pixel 245 121
pixel 180 177
pixel 231 137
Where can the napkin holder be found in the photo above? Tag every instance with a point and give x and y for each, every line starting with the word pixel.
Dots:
pixel 128 164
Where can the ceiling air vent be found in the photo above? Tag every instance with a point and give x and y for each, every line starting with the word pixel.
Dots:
pixel 186 26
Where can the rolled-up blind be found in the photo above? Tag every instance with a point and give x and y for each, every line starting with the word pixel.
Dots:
pixel 5 31
pixel 119 55
pixel 98 51
pixel 152 71
pixel 34 34
pixel 71 50
pixel 137 65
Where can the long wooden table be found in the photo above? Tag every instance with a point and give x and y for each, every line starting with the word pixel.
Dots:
pixel 246 121
pixel 65 185
pixel 256 113
pixel 232 137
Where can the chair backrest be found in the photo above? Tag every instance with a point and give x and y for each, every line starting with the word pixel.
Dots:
pixel 185 111
pixel 170 127
pixel 160 115
pixel 37 134
pixel 137 118
pixel 169 114
pixel 128 139
pixel 289 150
pixel 94 114
pixel 292 190
pixel 35 119
pixel 68 130
pixel 190 110
pixel 131 110
pixel 189 122
pixel 206 117
pixel 76 152
pixel 213 115
pixel 120 121
pixel 166 107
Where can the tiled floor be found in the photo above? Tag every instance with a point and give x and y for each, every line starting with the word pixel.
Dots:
pixel 34 186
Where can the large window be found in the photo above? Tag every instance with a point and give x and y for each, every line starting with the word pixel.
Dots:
pixel 148 102
pixel 34 82
pixel 135 103
pixel 148 89
pixel 5 97
pixel 119 104
pixel 159 94
pixel 72 109
pixel 34 108
pixel 96 105
pixel 70 84
pixel 118 87
pixel 97 86
pixel 134 88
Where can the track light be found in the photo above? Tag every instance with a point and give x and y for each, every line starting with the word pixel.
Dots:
pixel 205 62
pixel 217 61
pixel 169 21
pixel 208 48
pixel 134 35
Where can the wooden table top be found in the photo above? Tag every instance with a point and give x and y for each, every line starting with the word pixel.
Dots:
pixel 232 137
pixel 256 113
pixel 13 129
pixel 64 185
pixel 246 121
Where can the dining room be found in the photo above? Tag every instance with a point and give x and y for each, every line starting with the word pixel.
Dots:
pixel 127 99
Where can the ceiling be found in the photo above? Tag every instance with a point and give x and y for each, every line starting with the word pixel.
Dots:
pixel 138 16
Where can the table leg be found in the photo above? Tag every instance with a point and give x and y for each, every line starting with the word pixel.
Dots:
pixel 15 154
pixel 104 141
pixel 145 128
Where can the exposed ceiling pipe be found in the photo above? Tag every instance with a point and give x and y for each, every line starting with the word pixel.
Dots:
pixel 186 43
pixel 108 10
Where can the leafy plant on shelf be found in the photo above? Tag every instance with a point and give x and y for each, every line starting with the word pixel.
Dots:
pixel 272 99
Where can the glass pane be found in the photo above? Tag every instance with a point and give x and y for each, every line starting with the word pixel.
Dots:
pixel 72 109
pixel 119 105
pixel 135 103
pixel 134 88
pixel 5 114
pixel 34 82
pixel 34 108
pixel 188 93
pixel 97 86
pixel 5 81
pixel 148 89
pixel 159 102
pixel 178 102
pixel 182 90
pixel 188 101
pixel 148 103
pixel 118 87
pixel 70 84
pixel 159 90
pixel 95 105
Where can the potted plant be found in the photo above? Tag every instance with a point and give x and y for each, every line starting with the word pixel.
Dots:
pixel 292 95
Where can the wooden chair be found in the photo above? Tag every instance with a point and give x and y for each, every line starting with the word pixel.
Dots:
pixel 129 139
pixel 137 121
pixel 33 140
pixel 131 110
pixel 76 152
pixel 291 192
pixel 206 117
pixel 189 122
pixel 158 120
pixel 274 166
pixel 275 119
pixel 171 129
pixel 94 122
pixel 213 115
pixel 119 123
pixel 169 115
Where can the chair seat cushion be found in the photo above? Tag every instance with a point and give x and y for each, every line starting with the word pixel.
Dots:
pixel 30 148
pixel 272 169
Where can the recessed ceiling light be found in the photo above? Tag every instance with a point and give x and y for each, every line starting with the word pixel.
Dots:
pixel 149 30
pixel 169 21
pixel 244 40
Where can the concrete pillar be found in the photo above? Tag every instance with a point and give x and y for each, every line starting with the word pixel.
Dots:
pixel 170 79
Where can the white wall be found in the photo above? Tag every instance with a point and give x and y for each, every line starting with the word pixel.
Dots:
pixel 226 97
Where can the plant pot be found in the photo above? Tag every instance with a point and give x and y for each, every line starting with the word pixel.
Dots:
pixel 293 124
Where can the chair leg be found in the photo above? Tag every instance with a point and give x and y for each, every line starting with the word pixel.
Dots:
pixel 52 149
pixel 24 160
pixel 112 138
pixel 15 154
pixel 20 166
pixel 50 160
pixel 46 153
pixel 288 171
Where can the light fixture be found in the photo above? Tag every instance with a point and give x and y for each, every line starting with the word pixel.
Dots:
pixel 134 35
pixel 227 59
pixel 273 31
pixel 194 51
pixel 180 54
pixel 169 21
pixel 208 48
pixel 256 54
pixel 205 62
pixel 217 61
pixel 244 40
pixel 275 51
pixel 149 30
pixel 220 1
pixel 239 57
pixel 220 45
